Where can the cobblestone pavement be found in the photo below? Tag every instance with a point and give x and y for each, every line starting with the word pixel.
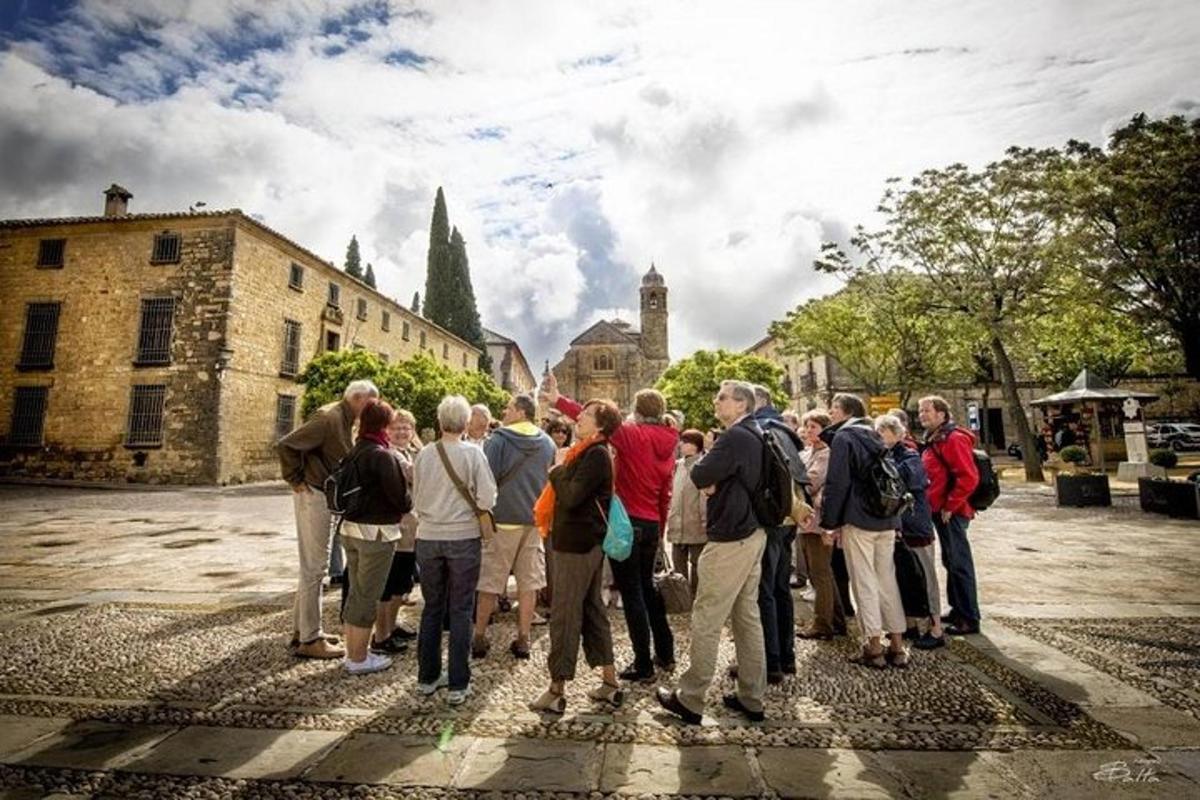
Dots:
pixel 144 657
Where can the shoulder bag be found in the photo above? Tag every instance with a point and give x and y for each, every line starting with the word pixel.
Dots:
pixel 487 523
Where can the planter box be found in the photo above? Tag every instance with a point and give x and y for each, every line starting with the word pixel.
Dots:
pixel 1082 490
pixel 1173 498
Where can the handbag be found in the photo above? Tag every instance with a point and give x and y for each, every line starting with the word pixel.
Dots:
pixel 487 523
pixel 910 576
pixel 618 533
pixel 674 589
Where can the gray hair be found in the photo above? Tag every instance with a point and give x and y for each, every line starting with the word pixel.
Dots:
pixel 890 422
pixel 762 397
pixel 524 403
pixel 742 392
pixel 480 408
pixel 850 404
pixel 452 413
pixel 360 387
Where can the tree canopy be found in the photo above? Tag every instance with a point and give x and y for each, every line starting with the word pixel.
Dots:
pixel 449 295
pixel 369 277
pixel 353 264
pixel 690 384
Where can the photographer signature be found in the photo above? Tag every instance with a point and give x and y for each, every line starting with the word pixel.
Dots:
pixel 1141 771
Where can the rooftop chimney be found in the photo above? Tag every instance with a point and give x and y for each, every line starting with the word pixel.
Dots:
pixel 116 201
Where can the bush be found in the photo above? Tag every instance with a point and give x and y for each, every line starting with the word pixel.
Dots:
pixel 1164 458
pixel 1073 454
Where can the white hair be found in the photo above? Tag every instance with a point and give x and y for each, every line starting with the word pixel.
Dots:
pixel 742 392
pixel 482 409
pixel 890 422
pixel 360 387
pixel 452 413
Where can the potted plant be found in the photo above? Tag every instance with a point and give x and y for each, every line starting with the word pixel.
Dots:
pixel 1165 496
pixel 1167 459
pixel 1080 488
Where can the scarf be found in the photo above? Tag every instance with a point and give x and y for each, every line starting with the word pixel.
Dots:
pixel 543 509
pixel 378 437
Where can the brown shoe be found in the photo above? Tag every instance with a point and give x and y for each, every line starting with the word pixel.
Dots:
pixel 319 648
pixel 480 647
pixel 812 633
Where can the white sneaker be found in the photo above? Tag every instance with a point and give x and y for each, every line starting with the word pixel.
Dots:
pixel 374 662
pixel 429 688
pixel 456 697
pixel 809 594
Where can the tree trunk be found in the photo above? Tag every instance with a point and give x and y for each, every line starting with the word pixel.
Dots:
pixel 1008 385
pixel 984 427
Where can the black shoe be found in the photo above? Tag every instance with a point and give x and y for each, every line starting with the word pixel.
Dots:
pixel 664 666
pixel 789 669
pixel 637 675
pixel 732 702
pixel 403 634
pixel 774 678
pixel 670 701
pixel 503 605
pixel 389 647
pixel 912 634
pixel 962 629
pixel 949 619
pixel 337 580
pixel 930 642
pixel 811 635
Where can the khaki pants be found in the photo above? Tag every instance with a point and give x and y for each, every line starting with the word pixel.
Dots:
pixel 828 615
pixel 873 579
pixel 368 563
pixel 312 541
pixel 577 613
pixel 728 589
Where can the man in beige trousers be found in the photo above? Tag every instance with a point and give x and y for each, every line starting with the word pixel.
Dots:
pixel 730 566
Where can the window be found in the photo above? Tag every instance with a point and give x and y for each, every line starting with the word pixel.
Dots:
pixel 296 277
pixel 464 360
pixel 361 309
pixel 445 350
pixel 422 340
pixel 333 341
pixel 51 253
pixel 404 332
pixel 154 333
pixel 285 415
pixel 335 295
pixel 602 362
pixel 29 415
pixel 385 320
pixel 291 349
pixel 166 248
pixel 146 416
pixel 41 332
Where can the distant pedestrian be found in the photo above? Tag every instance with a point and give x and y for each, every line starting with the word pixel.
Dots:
pixel 687 518
pixel 307 456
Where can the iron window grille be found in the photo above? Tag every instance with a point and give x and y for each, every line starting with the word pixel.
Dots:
pixel 29 416
pixel 167 247
pixel 385 320
pixel 445 350
pixel 154 333
pixel 333 341
pixel 285 415
pixel 361 309
pixel 296 276
pixel 335 295
pixel 41 333
pixel 291 348
pixel 146 416
pixel 51 253
pixel 404 332
pixel 422 340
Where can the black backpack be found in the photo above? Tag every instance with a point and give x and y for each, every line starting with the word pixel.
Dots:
pixel 884 492
pixel 989 483
pixel 771 500
pixel 344 489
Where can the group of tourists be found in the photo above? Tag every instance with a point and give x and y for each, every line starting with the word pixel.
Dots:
pixel 488 500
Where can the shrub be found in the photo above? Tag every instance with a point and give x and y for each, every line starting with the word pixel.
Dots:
pixel 1073 454
pixel 1164 458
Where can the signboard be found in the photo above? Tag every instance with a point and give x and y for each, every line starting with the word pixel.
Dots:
pixel 882 403
pixel 1136 451
pixel 973 416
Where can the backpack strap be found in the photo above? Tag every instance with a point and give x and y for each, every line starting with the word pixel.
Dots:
pixel 458 482
pixel 513 470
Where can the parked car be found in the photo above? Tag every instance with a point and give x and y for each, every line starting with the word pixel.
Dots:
pixel 1178 436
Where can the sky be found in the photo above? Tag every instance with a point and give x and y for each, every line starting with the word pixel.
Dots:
pixel 577 143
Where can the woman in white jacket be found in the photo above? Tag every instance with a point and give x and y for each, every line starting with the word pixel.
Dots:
pixel 687 518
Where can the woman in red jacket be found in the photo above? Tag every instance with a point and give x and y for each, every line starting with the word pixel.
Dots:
pixel 953 476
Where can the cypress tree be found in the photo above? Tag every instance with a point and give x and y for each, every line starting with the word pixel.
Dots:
pixel 416 303
pixel 369 278
pixel 353 264
pixel 466 318
pixel 439 293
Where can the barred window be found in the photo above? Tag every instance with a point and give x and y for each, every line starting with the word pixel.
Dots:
pixel 166 248
pixel 404 332
pixel 285 415
pixel 333 341
pixel 296 276
pixel 422 340
pixel 361 312
pixel 51 253
pixel 464 360
pixel 445 350
pixel 385 320
pixel 41 333
pixel 29 415
pixel 335 295
pixel 146 416
pixel 154 333
pixel 603 362
pixel 291 348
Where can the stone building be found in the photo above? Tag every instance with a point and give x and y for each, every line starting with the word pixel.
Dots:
pixel 163 348
pixel 611 359
pixel 510 370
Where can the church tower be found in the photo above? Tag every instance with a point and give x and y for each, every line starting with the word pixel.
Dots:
pixel 654 317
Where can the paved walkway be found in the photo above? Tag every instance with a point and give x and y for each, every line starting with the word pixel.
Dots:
pixel 144 658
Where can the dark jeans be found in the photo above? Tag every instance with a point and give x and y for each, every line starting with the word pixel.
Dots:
pixel 775 604
pixel 449 575
pixel 960 567
pixel 841 578
pixel 645 614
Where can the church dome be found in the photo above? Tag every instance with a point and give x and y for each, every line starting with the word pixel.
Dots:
pixel 652 278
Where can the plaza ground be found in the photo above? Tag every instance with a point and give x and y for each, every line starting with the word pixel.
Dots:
pixel 144 656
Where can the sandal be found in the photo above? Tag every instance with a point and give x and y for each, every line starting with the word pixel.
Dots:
pixel 898 658
pixel 549 703
pixel 607 693
pixel 866 658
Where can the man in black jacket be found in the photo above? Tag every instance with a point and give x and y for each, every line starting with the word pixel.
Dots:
pixel 730 565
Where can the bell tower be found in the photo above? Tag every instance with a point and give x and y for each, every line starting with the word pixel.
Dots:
pixel 654 316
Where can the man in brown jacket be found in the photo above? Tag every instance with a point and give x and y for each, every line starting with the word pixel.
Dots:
pixel 306 457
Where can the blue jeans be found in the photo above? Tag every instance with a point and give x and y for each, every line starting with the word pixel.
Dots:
pixel 775 604
pixel 449 575
pixel 645 614
pixel 960 567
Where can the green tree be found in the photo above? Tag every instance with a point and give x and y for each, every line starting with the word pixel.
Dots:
pixel 1139 205
pixel 416 303
pixel 327 375
pixel 353 265
pixel 464 322
pixel 691 383
pixel 369 277
pixel 439 279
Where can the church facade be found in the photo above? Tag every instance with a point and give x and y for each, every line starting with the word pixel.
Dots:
pixel 611 359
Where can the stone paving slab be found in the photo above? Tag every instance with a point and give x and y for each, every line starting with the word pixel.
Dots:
pixel 967 775
pixel 17 732
pixel 394 760
pixel 236 752
pixel 640 769
pixel 1160 726
pixel 1092 775
pixel 92 745
pixel 826 773
pixel 519 765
